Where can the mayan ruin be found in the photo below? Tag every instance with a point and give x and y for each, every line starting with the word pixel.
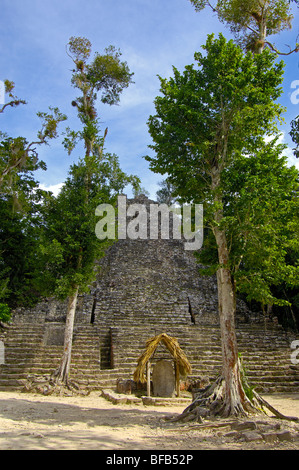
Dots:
pixel 149 228
pixel 144 288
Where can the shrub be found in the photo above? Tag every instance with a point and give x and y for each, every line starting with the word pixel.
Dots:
pixel 5 313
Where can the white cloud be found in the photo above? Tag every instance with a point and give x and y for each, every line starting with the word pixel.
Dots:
pixel 54 188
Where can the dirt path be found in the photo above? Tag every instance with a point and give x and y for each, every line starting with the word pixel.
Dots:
pixel 36 422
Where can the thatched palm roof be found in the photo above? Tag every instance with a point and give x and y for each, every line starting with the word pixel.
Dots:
pixel 174 348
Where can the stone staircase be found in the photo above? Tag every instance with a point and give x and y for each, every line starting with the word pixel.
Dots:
pixel 26 353
pixel 102 355
pixel 266 355
pixel 264 347
pixel 267 358
pixel 109 349
pixel 143 288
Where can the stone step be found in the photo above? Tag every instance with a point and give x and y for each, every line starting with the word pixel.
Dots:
pixel 266 361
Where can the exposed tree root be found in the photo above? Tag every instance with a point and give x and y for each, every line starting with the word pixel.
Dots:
pixel 210 402
pixel 47 385
pixel 276 413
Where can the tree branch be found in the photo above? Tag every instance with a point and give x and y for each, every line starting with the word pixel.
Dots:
pixel 211 6
pixel 12 104
pixel 281 53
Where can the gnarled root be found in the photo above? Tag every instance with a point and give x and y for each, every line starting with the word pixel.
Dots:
pixel 45 385
pixel 264 404
pixel 211 402
pixel 205 404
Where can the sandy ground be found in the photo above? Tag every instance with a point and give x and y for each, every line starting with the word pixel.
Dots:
pixel 37 422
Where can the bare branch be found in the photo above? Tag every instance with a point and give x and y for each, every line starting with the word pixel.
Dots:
pixel 12 104
pixel 279 52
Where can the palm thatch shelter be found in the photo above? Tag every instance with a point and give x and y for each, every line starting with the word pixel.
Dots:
pixel 182 365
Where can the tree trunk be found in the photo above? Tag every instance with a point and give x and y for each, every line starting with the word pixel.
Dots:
pixel 62 373
pixel 262 36
pixel 234 394
pixel 233 400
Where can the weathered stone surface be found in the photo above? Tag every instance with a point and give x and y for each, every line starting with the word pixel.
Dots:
pixel 125 386
pixel 251 436
pixel 285 436
pixel 164 401
pixel 54 335
pixel 250 425
pixel 120 399
pixel 163 378
pixel 270 437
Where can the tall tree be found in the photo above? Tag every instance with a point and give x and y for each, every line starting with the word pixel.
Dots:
pixel 106 75
pixel 70 246
pixel 20 202
pixel 96 179
pixel 207 120
pixel 261 212
pixel 252 21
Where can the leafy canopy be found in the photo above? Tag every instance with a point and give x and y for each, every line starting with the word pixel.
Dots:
pixel 209 138
pixel 252 21
pixel 210 114
pixel 104 75
pixel 295 135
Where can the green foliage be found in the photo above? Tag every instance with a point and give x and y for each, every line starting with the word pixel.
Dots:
pixel 240 16
pixel 5 313
pixel 48 245
pixel 294 133
pixel 50 122
pixel 16 158
pixel 20 266
pixel 70 246
pixel 218 110
pixel 13 99
pixel 253 21
pixel 109 75
pixel 20 204
pixel 105 74
pixel 261 218
pixel 209 138
pixel 18 155
pixel 80 49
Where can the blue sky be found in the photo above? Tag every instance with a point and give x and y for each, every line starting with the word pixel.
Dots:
pixel 153 35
